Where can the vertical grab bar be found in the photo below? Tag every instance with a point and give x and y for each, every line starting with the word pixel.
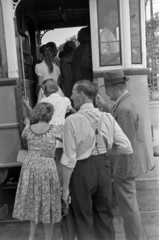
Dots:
pixel 22 58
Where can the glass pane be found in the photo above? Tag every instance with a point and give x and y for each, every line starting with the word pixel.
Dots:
pixel 135 26
pixel 109 32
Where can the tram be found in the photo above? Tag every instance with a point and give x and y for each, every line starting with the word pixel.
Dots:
pixel 22 23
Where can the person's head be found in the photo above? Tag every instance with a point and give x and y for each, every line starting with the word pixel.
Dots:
pixel 111 19
pixel 84 35
pixel 61 54
pixel 114 91
pixel 84 91
pixel 49 54
pixel 42 112
pixel 53 48
pixel 49 86
pixel 69 48
pixel 115 84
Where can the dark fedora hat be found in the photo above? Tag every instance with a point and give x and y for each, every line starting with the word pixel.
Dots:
pixel 114 77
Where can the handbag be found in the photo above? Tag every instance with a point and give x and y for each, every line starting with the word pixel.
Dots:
pixel 22 155
pixel 68 224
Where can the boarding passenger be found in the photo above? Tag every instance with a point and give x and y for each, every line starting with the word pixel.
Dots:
pixel 53 46
pixel 88 135
pixel 66 67
pixel 38 196
pixel 47 69
pixel 61 106
pixel 82 58
pixel 126 111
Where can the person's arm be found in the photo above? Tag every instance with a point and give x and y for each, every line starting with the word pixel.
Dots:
pixel 109 58
pixel 26 104
pixel 38 72
pixel 126 121
pixel 67 172
pixel 106 56
pixel 102 105
pixel 40 80
pixel 69 106
pixel 121 143
pixel 68 159
pixel 72 110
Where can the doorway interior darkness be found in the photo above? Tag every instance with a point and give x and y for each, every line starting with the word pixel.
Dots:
pixel 51 14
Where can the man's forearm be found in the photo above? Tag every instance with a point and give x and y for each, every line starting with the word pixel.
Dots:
pixel 67 172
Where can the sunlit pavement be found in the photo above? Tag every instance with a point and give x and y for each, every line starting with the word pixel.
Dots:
pixel 20 231
pixel 150 225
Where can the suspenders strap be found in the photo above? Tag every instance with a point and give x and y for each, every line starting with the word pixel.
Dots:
pixel 96 130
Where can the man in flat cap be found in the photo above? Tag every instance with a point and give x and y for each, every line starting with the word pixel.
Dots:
pixel 127 167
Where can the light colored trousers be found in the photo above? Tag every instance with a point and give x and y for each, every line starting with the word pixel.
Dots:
pixel 126 197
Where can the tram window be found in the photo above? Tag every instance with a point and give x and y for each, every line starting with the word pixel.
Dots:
pixel 135 28
pixel 109 32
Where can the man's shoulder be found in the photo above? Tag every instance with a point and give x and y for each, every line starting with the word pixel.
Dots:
pixel 128 104
pixel 128 101
pixel 72 117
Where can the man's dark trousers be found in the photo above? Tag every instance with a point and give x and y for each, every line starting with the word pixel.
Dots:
pixel 91 193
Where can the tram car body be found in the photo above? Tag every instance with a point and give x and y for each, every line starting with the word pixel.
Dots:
pixel 22 24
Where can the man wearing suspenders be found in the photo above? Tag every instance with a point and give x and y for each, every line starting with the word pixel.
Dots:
pixel 88 135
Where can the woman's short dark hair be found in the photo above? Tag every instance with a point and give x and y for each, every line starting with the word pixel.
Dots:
pixel 51 45
pixel 42 48
pixel 61 54
pixel 69 47
pixel 42 112
pixel 84 35
pixel 87 87
pixel 49 86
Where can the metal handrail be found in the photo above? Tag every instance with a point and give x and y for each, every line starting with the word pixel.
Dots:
pixel 22 58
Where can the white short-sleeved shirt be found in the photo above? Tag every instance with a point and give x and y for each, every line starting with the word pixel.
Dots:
pixel 42 69
pixel 61 106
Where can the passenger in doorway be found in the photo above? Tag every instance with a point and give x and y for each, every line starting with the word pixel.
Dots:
pixel 38 196
pixel 86 173
pixel 41 50
pixel 47 69
pixel 82 58
pixel 61 106
pixel 110 52
pixel 126 168
pixel 66 67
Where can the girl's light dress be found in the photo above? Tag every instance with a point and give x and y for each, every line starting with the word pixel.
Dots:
pixel 61 106
pixel 38 196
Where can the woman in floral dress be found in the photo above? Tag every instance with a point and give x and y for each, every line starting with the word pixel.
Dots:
pixel 38 197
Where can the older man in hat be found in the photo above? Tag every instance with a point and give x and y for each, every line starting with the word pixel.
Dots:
pixel 127 167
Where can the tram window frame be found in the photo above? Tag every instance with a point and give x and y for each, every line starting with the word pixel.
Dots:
pixel 124 11
pixel 101 30
pixel 139 33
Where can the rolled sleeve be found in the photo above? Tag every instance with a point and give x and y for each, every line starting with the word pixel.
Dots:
pixel 69 157
pixel 67 161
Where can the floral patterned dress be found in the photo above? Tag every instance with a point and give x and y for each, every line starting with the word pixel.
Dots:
pixel 38 196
